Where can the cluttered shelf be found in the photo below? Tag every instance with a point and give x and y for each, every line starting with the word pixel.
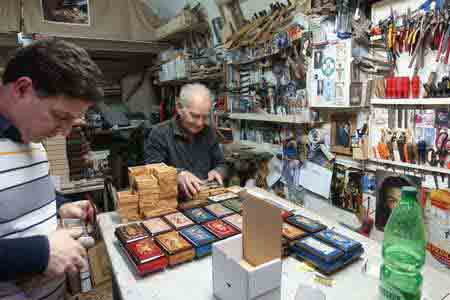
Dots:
pixel 411 102
pixel 209 78
pixel 264 117
pixel 411 166
pixel 179 35
pixel 82 186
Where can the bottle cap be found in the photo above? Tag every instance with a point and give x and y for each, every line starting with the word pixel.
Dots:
pixel 409 191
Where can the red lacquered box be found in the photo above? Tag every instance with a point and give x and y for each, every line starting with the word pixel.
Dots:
pixel 146 256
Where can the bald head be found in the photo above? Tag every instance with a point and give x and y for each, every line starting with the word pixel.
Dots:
pixel 194 94
pixel 193 107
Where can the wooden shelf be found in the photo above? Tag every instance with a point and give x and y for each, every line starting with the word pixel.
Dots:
pixel 290 119
pixel 212 77
pixel 105 45
pixel 182 34
pixel 411 102
pixel 82 186
pixel 337 107
pixel 425 168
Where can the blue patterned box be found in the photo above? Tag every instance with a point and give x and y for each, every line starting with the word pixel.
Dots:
pixel 199 215
pixel 305 223
pixel 200 238
pixel 338 240
pixel 331 267
pixel 319 249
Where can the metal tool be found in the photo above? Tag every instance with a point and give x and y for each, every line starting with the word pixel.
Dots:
pixel 438 156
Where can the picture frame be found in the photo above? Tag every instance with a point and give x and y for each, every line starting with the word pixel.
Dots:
pixel 342 127
pixel 68 12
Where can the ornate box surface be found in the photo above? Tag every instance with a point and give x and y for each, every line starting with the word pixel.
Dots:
pixel 318 248
pixel 178 220
pixel 305 223
pixel 235 221
pixel 219 210
pixel 130 233
pixel 145 256
pixel 178 249
pixel 292 233
pixel 338 240
pixel 220 229
pixel 233 204
pixel 200 238
pixel 156 226
pixel 222 197
pixel 199 215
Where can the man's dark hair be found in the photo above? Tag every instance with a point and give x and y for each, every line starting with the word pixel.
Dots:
pixel 57 68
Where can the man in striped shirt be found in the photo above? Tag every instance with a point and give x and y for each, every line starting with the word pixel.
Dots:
pixel 46 87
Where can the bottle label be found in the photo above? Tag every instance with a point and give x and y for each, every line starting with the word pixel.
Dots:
pixel 388 292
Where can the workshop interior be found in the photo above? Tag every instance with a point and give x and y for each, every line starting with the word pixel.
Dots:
pixel 319 169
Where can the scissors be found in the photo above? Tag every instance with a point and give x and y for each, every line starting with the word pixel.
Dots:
pixel 439 156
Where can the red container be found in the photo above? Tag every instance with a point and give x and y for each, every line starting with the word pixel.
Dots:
pixel 389 87
pixel 405 87
pixel 415 87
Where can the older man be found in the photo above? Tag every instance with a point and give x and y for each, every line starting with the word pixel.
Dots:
pixel 187 142
pixel 46 87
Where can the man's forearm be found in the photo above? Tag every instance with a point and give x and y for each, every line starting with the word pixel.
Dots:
pixel 22 256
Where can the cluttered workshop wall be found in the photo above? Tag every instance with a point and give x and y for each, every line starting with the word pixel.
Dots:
pixel 10 16
pixel 133 20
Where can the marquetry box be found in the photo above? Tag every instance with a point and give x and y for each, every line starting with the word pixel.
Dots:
pixel 177 248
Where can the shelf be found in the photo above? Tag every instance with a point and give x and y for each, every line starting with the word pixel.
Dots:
pixel 183 33
pixel 290 119
pixel 82 186
pixel 338 107
pixel 104 45
pixel 411 102
pixel 412 166
pixel 253 59
pixel 212 77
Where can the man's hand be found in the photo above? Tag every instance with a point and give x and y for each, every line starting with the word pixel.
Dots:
pixel 82 210
pixel 214 175
pixel 66 254
pixel 189 183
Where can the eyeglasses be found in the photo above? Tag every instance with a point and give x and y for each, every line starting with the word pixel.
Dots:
pixel 197 117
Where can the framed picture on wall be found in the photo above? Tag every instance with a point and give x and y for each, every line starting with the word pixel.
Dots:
pixel 342 127
pixel 72 12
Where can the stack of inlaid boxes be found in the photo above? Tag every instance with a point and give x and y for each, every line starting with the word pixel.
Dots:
pixel 57 157
pixel 127 206
pixel 155 189
pixel 168 188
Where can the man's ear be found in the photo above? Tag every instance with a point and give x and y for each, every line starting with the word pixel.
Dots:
pixel 21 87
pixel 178 107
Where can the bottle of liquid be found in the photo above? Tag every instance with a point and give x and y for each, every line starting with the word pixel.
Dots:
pixel 403 250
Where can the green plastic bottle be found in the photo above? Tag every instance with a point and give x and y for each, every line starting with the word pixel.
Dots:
pixel 403 250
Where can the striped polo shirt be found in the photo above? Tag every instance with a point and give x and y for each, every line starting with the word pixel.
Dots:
pixel 27 208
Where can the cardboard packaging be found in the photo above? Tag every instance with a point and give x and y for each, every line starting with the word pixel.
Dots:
pixel 234 279
pixel 177 248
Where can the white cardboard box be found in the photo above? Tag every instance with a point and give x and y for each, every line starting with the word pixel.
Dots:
pixel 234 279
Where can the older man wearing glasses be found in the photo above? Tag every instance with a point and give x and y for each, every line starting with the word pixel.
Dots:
pixel 187 142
